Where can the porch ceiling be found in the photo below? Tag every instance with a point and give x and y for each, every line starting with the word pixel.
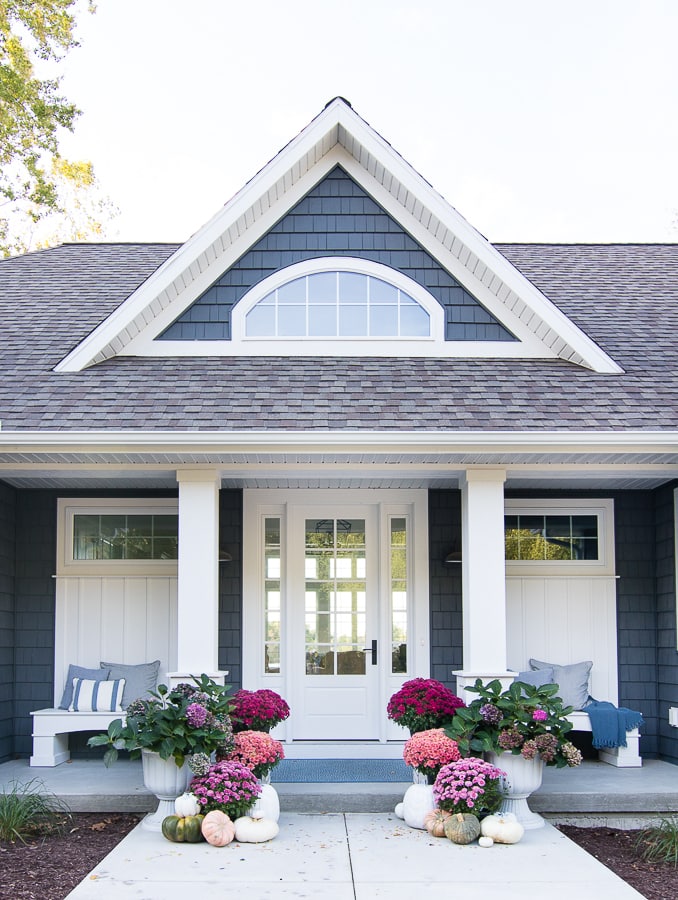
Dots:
pixel 344 460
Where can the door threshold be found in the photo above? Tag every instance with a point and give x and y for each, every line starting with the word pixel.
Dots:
pixel 343 749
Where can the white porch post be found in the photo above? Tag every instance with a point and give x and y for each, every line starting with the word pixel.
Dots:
pixel 198 575
pixel 483 579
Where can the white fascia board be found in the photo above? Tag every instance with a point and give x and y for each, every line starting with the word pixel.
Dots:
pixel 180 261
pixel 312 147
pixel 486 253
pixel 325 441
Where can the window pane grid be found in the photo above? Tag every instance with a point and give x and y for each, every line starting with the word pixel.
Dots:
pixel 399 591
pixel 338 304
pixel 125 537
pixel 561 538
pixel 335 596
pixel 272 576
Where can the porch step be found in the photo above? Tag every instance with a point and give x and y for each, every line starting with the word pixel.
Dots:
pixel 592 794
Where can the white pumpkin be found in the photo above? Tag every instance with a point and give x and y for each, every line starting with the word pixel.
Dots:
pixel 486 841
pixel 503 828
pixel 399 810
pixel 250 830
pixel 186 805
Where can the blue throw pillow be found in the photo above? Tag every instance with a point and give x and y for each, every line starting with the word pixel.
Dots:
pixel 100 674
pixel 140 680
pixel 573 681
pixel 537 678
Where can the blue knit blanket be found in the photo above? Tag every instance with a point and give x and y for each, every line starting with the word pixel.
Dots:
pixel 609 723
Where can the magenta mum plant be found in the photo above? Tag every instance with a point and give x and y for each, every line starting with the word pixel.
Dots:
pixel 228 786
pixel 422 704
pixel 257 710
pixel 468 785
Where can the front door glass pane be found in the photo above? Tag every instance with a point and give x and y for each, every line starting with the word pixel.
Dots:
pixel 399 592
pixel 335 594
pixel 272 595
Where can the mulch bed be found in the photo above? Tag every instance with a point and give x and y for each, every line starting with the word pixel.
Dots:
pixel 48 868
pixel 616 849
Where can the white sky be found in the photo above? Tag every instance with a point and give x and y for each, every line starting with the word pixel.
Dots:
pixel 553 120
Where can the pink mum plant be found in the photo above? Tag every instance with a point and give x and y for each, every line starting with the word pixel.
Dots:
pixel 427 751
pixel 257 750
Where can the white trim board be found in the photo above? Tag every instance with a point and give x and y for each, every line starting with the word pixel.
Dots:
pixel 338 136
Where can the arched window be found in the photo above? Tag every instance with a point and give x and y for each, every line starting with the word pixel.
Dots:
pixel 337 304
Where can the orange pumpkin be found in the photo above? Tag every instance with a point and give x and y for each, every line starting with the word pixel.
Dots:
pixel 217 828
pixel 434 822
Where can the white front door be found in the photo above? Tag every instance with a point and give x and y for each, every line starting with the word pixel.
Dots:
pixel 335 611
pixel 334 616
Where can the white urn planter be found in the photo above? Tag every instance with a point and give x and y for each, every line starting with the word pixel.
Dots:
pixel 267 804
pixel 523 777
pixel 417 802
pixel 165 779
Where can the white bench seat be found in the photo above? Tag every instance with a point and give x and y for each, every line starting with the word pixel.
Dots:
pixel 623 757
pixel 51 728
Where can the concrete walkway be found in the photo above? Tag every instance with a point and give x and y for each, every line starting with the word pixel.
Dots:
pixel 351 856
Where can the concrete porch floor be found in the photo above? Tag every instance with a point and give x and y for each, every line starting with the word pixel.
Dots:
pixel 594 794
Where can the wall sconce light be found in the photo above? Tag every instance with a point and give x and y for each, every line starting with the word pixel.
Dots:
pixel 454 556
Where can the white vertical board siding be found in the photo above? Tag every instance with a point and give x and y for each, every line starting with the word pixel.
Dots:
pixel 129 619
pixel 563 621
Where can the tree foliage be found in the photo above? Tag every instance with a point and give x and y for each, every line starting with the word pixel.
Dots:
pixel 35 180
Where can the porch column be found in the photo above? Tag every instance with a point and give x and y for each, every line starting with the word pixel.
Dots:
pixel 198 575
pixel 483 578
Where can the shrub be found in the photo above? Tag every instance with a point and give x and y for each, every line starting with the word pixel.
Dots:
pixel 27 809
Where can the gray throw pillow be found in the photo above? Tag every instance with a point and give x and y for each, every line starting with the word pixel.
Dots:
pixel 537 678
pixel 572 680
pixel 140 680
pixel 100 674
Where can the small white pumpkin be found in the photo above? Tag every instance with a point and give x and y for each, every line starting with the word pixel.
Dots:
pixel 186 805
pixel 250 830
pixel 399 810
pixel 485 841
pixel 503 828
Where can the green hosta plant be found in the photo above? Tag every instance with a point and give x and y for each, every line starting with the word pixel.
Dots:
pixel 524 719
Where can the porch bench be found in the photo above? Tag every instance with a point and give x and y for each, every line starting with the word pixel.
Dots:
pixel 623 757
pixel 51 728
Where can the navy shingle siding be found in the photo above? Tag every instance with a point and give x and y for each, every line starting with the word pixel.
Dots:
pixel 7 555
pixel 337 218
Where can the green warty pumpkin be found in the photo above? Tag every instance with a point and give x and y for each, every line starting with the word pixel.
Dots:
pixel 183 829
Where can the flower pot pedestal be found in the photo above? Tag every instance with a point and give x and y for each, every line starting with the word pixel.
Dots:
pixel 167 781
pixel 523 777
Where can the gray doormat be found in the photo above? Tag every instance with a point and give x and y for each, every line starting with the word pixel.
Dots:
pixel 326 771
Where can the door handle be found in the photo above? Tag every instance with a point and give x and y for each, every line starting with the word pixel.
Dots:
pixel 373 651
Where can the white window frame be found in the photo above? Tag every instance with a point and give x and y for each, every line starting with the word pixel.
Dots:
pixel 602 509
pixel 68 508
pixel 333 344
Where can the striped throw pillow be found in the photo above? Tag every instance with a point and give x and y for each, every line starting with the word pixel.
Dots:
pixel 97 696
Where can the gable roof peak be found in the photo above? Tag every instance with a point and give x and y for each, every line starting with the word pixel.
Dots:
pixel 338 136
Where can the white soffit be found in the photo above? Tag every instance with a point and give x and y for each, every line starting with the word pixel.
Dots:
pixel 338 136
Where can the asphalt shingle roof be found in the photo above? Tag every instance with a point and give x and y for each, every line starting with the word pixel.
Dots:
pixel 625 297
